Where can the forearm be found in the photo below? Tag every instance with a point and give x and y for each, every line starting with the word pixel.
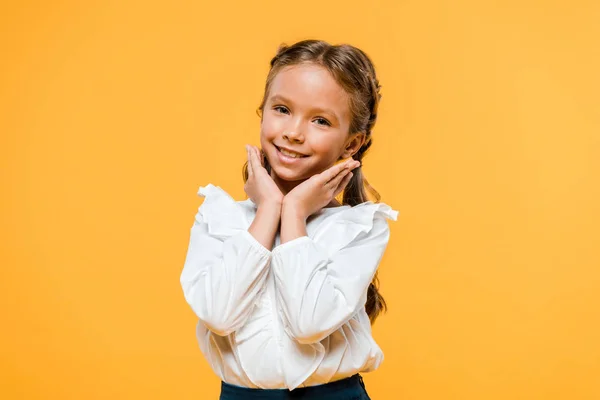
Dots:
pixel 265 224
pixel 222 277
pixel 321 284
pixel 293 223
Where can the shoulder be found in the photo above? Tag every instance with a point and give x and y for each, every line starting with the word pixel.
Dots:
pixel 361 224
pixel 216 196
pixel 363 215
pixel 222 213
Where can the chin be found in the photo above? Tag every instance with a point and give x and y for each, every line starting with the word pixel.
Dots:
pixel 286 174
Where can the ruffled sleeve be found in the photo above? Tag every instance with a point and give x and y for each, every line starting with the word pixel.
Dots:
pixel 322 280
pixel 225 267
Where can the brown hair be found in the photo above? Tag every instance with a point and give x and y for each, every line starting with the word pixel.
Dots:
pixel 354 72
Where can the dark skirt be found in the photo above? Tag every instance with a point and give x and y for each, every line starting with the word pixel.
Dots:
pixel 351 388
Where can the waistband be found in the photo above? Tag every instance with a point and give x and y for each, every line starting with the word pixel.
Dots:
pixel 350 387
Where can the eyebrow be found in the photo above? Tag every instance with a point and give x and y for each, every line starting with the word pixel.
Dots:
pixel 278 97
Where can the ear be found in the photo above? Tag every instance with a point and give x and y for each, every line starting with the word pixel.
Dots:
pixel 353 144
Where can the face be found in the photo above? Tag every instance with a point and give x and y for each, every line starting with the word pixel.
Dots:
pixel 306 114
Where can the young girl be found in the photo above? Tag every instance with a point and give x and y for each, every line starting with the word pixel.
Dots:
pixel 284 283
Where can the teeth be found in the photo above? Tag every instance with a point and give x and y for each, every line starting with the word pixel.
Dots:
pixel 287 153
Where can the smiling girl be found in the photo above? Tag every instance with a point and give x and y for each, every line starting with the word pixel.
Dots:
pixel 284 283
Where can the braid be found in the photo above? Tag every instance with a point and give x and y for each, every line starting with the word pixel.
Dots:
pixel 358 182
pixel 375 302
pixel 374 101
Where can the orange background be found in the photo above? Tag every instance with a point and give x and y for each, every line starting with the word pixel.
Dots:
pixel 488 143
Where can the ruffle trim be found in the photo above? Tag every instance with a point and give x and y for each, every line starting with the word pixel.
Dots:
pixel 224 216
pixel 343 227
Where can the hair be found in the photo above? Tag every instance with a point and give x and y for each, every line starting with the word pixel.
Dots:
pixel 353 70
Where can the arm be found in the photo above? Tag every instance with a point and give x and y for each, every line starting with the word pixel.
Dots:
pixel 265 224
pixel 293 223
pixel 222 276
pixel 320 293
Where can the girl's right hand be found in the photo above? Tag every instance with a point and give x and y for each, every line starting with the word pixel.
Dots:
pixel 260 187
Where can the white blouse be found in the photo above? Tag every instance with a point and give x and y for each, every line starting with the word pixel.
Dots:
pixel 291 317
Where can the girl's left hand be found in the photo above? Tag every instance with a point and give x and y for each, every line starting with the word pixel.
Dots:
pixel 316 192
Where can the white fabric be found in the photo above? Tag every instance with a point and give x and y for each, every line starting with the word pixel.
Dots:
pixel 293 316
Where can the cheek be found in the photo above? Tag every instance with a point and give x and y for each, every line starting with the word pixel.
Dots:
pixel 271 127
pixel 327 145
pixel 269 131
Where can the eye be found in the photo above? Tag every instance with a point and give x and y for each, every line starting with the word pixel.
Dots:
pixel 325 122
pixel 279 108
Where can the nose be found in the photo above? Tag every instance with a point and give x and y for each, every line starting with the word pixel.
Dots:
pixel 293 130
pixel 293 135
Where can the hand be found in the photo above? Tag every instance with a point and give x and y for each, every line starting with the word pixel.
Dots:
pixel 316 192
pixel 260 187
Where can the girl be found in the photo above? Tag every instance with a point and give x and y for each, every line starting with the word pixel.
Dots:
pixel 284 283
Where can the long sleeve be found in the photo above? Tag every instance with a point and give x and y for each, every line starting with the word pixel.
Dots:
pixel 225 266
pixel 318 292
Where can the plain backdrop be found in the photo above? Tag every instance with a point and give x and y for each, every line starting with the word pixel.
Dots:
pixel 113 113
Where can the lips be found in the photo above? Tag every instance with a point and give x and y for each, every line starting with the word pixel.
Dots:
pixel 290 152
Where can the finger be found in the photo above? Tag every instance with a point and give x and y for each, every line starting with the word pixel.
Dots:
pixel 338 178
pixel 343 184
pixel 252 159
pixel 250 171
pixel 259 157
pixel 334 171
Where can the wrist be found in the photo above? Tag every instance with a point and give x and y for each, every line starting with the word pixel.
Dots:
pixel 291 209
pixel 293 221
pixel 271 206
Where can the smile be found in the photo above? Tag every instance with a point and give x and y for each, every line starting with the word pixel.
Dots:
pixel 290 154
